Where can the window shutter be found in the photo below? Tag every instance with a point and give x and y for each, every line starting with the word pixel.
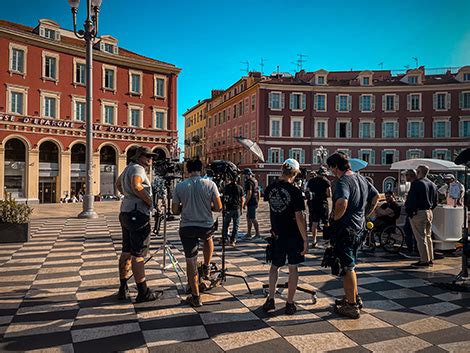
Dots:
pixel 337 129
pixel 337 104
pixel 383 129
pixel 315 103
pixel 270 100
pixel 349 130
pixel 101 46
pixel 281 155
pixel 291 101
pixel 460 100
pixel 349 103
pixel 396 102
pixel 361 135
pixel 115 49
pixel 396 156
pixel 408 102
pixel 302 156
pixel 290 153
pixel 372 157
pixel 408 130
pixel 434 101
pixel 283 100
pixel 383 103
pixel 396 129
pixel 304 103
pixel 361 106
pixel 421 129
pixel 41 32
pixel 270 155
pixel 448 128
pixel 57 35
pixel 448 101
pixel 372 103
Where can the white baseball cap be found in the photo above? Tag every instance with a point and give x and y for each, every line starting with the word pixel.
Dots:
pixel 291 164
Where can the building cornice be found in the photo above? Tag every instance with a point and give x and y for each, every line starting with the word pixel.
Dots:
pixel 234 99
pixel 32 39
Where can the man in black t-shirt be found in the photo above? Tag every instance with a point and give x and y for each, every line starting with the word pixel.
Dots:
pixel 233 203
pixel 289 231
pixel 252 198
pixel 320 190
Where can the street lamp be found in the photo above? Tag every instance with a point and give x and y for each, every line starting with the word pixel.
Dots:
pixel 89 34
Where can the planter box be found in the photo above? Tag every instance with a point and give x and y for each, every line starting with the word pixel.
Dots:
pixel 14 233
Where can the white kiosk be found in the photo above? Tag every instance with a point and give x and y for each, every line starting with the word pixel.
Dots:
pixel 447 220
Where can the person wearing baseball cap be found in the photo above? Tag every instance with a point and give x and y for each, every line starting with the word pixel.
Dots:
pixel 289 232
pixel 251 203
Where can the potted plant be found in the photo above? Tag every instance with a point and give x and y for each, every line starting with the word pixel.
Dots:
pixel 14 220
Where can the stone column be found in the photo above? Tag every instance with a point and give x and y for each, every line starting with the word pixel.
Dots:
pixel 121 163
pixel 32 176
pixel 64 178
pixel 2 177
pixel 96 173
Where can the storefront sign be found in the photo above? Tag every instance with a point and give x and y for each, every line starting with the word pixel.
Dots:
pixel 64 124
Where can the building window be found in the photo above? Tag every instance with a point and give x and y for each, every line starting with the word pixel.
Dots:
pixel 414 102
pixel 343 103
pixel 50 66
pixel 253 103
pixel 17 59
pixel 441 128
pixel 80 73
pixel 367 155
pixel 366 81
pixel 50 107
pixel 109 48
pixel 466 76
pixel 275 155
pixel 415 129
pixel 160 87
pixel 135 82
pixel 389 156
pixel 298 154
pixel 253 129
pixel 320 80
pixel 109 78
pixel 297 127
pixel 320 102
pixel 240 108
pixel 366 103
pixel 49 33
pixel 366 129
pixel 464 101
pixel 390 102
pixel 80 111
pixel 109 111
pixel 297 101
pixel 390 129
pixel 441 154
pixel 441 101
pixel 343 129
pixel 464 127
pixel 321 128
pixel 414 154
pixel 413 80
pixel 276 100
pixel 17 102
pixel 275 127
pixel 135 117
pixel 160 119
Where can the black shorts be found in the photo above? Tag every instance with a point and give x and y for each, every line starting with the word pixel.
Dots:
pixel 289 249
pixel 190 239
pixel 319 212
pixel 135 233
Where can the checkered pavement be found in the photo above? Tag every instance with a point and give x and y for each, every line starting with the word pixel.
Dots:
pixel 57 294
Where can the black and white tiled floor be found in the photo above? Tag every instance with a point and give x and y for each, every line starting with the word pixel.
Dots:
pixel 57 294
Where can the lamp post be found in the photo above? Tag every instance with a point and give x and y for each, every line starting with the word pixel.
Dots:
pixel 89 34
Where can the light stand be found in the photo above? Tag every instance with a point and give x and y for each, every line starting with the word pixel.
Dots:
pixel 89 34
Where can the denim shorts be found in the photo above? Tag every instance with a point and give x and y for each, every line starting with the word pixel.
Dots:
pixel 347 254
pixel 251 211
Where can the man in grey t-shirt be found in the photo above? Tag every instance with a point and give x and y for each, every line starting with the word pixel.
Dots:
pixel 135 222
pixel 195 199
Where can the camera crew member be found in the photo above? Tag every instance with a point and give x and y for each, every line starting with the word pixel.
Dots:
pixel 353 194
pixel 195 199
pixel 135 222
pixel 233 203
pixel 252 199
pixel 289 231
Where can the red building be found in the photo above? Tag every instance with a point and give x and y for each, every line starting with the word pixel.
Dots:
pixel 372 115
pixel 42 110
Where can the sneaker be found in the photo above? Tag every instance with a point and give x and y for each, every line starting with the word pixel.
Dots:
pixel 123 293
pixel 290 309
pixel 420 264
pixel 341 302
pixel 205 271
pixel 149 296
pixel 314 245
pixel 193 301
pixel 269 305
pixel 349 310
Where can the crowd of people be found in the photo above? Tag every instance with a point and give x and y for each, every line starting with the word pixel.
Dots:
pixel 353 198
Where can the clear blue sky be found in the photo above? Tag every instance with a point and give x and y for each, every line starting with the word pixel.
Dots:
pixel 209 38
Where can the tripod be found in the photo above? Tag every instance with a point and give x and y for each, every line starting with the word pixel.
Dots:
pixel 223 272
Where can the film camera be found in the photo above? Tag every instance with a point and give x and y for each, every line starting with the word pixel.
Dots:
pixel 219 170
pixel 168 167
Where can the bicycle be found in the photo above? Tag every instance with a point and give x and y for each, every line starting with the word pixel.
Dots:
pixel 391 238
